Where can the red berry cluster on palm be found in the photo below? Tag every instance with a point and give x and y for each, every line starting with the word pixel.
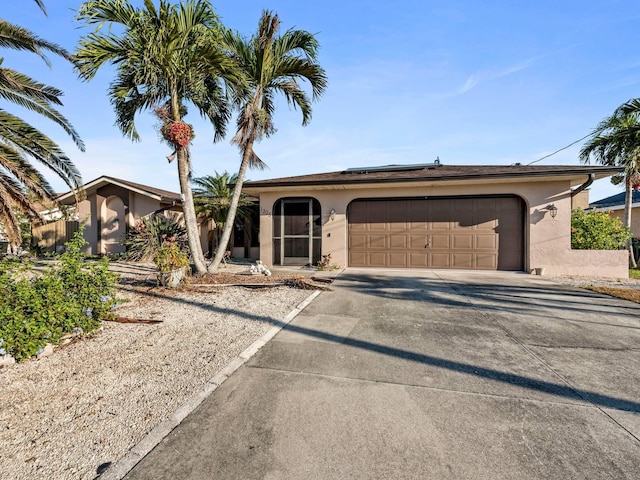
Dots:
pixel 178 133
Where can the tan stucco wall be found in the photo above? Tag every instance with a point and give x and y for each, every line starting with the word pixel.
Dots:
pixel 85 217
pixel 547 240
pixel 635 220
pixel 90 211
pixel 600 263
pixel 140 206
pixel 581 200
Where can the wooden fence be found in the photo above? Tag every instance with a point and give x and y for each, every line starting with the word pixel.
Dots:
pixel 51 237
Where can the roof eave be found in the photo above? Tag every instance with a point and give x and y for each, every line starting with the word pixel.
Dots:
pixel 104 180
pixel 600 172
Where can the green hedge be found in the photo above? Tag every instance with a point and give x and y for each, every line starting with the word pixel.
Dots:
pixel 594 230
pixel 71 297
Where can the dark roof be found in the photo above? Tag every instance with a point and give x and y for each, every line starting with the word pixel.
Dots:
pixel 165 196
pixel 435 173
pixel 615 200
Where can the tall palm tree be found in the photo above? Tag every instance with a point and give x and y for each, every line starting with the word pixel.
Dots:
pixel 616 141
pixel 271 64
pixel 212 197
pixel 165 58
pixel 23 189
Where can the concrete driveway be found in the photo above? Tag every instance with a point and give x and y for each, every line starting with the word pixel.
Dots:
pixel 427 375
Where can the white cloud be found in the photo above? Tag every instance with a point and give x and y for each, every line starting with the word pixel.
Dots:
pixel 489 75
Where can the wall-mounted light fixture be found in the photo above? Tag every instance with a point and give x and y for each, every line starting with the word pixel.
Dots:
pixel 552 209
pixel 332 214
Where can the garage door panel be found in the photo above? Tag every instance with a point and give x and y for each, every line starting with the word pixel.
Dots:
pixel 417 225
pixel 457 232
pixel 377 241
pixel 440 240
pixel 417 241
pixel 359 214
pixel 417 260
pixel 378 259
pixel 399 260
pixel 486 241
pixel 398 241
pixel 357 242
pixel 439 260
pixel 358 227
pixel 463 260
pixel 487 261
pixel 463 241
pixel 378 227
pixel 357 258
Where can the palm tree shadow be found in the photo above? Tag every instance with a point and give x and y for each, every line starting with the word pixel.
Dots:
pixel 558 389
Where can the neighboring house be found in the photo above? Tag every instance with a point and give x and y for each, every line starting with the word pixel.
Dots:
pixel 615 205
pixel 111 206
pixel 432 216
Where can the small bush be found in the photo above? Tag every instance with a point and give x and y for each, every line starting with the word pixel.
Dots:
pixel 326 263
pixel 72 297
pixel 169 257
pixel 148 235
pixel 594 230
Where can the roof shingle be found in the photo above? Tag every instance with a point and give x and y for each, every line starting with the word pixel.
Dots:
pixel 435 173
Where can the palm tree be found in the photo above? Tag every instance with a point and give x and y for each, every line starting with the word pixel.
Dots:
pixel 212 197
pixel 616 142
pixel 271 64
pixel 165 57
pixel 23 189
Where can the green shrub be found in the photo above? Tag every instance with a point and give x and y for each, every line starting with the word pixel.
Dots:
pixel 592 230
pixel 148 235
pixel 169 257
pixel 71 297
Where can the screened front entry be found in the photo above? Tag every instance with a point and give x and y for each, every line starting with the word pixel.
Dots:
pixel 297 231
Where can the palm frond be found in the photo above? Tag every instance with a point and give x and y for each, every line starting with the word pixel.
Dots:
pixel 23 188
pixel 212 197
pixel 19 38
pixel 32 143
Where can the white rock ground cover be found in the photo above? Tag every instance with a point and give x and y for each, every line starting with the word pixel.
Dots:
pixel 64 415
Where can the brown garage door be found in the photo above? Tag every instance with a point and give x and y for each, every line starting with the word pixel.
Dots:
pixel 484 233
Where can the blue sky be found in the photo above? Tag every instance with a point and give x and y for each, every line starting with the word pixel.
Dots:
pixel 493 82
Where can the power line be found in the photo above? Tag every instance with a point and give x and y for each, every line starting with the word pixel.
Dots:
pixel 561 149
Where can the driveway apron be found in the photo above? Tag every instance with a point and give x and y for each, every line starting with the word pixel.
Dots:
pixel 427 375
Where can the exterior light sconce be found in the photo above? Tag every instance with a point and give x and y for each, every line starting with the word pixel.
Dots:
pixel 332 214
pixel 552 209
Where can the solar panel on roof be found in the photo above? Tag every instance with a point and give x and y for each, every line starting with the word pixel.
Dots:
pixel 393 168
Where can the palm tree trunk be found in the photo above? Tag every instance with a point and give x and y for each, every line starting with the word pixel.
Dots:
pixel 627 218
pixel 233 207
pixel 188 209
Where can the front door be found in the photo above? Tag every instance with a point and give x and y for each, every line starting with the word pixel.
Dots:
pixel 297 231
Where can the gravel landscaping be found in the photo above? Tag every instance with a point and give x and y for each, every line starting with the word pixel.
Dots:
pixel 66 415
pixel 576 281
pixel 71 414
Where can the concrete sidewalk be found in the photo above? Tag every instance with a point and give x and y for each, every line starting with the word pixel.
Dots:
pixel 427 375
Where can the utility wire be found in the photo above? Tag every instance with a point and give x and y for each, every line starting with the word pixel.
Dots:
pixel 561 149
